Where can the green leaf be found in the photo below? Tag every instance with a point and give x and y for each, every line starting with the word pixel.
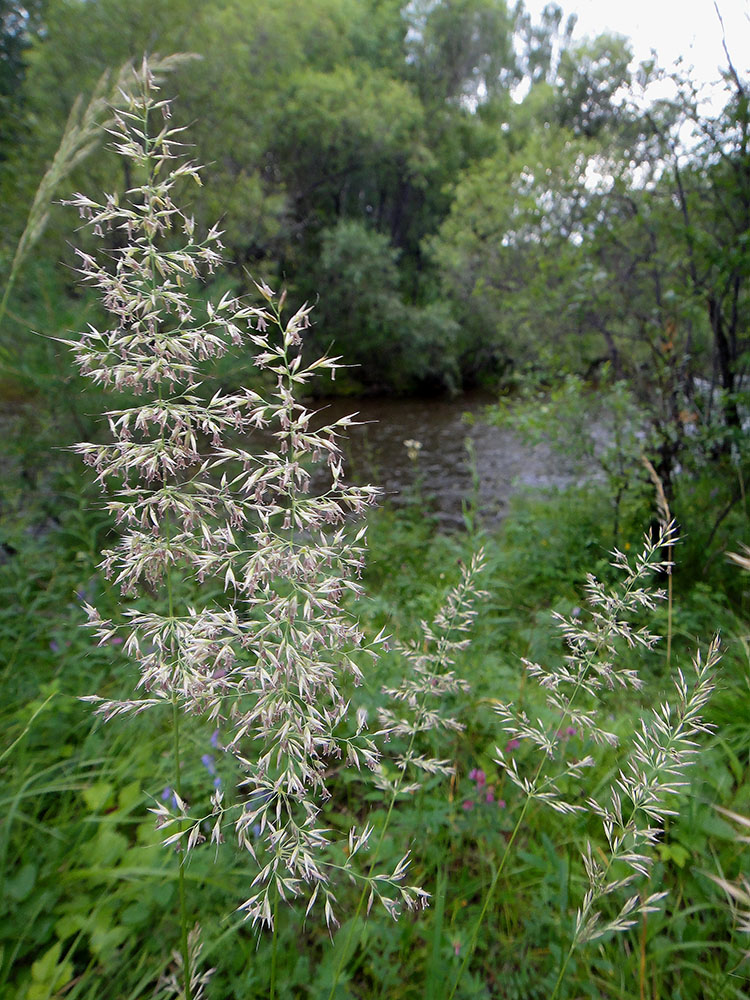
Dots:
pixel 136 913
pixel 129 796
pixel 70 924
pixel 42 969
pixel 21 884
pixel 48 974
pixel 97 796
pixel 674 852
pixel 107 848
pixel 104 940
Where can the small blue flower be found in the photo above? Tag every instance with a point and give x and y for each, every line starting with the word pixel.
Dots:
pixel 169 796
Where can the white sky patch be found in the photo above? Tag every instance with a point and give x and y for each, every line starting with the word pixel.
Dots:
pixel 674 29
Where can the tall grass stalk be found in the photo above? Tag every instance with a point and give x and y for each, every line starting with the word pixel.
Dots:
pixel 415 711
pixel 665 518
pixel 273 663
pixel 40 708
pixel 81 135
pixel 661 750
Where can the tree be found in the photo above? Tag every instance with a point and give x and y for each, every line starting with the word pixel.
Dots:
pixel 392 343
pixel 593 80
pixel 510 253
pixel 710 188
pixel 19 23
pixel 542 44
pixel 461 50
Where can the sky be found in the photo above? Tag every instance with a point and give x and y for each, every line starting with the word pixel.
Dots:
pixel 674 28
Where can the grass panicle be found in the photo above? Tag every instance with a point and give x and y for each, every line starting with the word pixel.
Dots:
pixel 634 809
pixel 273 662
pixel 82 134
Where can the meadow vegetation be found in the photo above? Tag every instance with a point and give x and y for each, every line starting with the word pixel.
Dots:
pixel 334 750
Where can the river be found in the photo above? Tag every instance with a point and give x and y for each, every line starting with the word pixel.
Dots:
pixel 375 453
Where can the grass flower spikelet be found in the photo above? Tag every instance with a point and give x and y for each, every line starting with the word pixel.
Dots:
pixel 415 704
pixel 634 808
pixel 274 662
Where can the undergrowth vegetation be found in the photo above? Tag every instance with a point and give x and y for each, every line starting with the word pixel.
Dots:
pixel 90 894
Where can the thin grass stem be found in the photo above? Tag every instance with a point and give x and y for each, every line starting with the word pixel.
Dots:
pixel 488 898
pixel 274 945
pixel 590 659
pixel 187 973
pixel 373 862
pixel 394 796
pixel 181 891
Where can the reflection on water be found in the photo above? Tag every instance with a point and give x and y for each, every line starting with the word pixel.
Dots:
pixel 375 453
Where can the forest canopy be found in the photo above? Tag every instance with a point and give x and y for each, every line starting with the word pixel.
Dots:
pixel 471 193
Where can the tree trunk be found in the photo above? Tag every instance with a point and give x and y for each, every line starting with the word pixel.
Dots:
pixel 725 360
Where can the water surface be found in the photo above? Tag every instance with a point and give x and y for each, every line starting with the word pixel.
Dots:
pixel 375 453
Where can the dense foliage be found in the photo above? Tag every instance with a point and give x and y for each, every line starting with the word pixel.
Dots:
pixel 469 192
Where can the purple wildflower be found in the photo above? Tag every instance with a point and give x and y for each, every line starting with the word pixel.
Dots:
pixel 169 796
